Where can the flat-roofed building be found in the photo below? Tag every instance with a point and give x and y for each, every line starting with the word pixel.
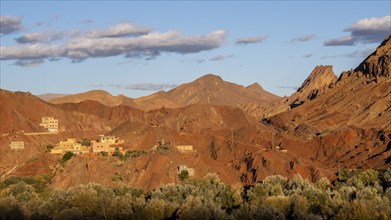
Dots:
pixel 107 139
pixel 50 123
pixel 70 145
pixel 17 145
pixel 98 147
pixel 185 148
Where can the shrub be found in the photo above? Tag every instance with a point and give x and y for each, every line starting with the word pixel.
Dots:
pixel 49 147
pixel 117 177
pixel 118 154
pixel 32 159
pixel 135 153
pixel 85 142
pixel 68 155
pixel 183 175
pixel 104 154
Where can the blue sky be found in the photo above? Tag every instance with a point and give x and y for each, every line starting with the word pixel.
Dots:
pixel 137 48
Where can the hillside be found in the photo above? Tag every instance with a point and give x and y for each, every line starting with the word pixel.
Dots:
pixel 225 140
pixel 22 113
pixel 352 120
pixel 95 95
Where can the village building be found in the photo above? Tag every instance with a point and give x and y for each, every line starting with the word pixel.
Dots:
pixel 107 139
pixel 17 145
pixel 70 145
pixel 106 144
pixel 98 147
pixel 188 169
pixel 185 148
pixel 50 123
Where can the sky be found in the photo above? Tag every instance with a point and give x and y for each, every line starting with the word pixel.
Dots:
pixel 137 48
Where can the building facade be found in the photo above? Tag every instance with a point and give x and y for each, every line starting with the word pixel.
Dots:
pixel 107 139
pixel 185 148
pixel 50 123
pixel 70 145
pixel 17 145
pixel 98 147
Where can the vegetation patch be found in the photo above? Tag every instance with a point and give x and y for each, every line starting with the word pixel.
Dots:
pixel 104 154
pixel 354 195
pixel 135 153
pixel 32 159
pixel 183 175
pixel 67 156
pixel 117 177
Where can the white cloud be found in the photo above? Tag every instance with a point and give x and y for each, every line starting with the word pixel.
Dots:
pixel 342 41
pixel 31 52
pixel 32 38
pixel 251 40
pixel 220 57
pixel 10 24
pixel 147 45
pixel 120 30
pixel 305 38
pixel 28 63
pixel 359 53
pixel 46 36
pixel 367 30
pixel 122 39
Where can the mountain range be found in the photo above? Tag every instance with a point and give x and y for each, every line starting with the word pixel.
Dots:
pixel 209 89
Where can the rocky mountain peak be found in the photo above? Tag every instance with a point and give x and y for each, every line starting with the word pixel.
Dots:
pixel 255 87
pixel 379 62
pixel 319 79
pixel 209 78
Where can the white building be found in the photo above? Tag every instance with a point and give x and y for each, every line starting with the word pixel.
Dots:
pixel 50 123
pixel 17 145
pixel 185 148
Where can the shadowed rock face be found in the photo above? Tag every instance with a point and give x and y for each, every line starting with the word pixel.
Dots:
pixel 379 62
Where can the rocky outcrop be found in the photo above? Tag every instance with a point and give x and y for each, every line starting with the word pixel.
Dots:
pixel 378 64
pixel 317 83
